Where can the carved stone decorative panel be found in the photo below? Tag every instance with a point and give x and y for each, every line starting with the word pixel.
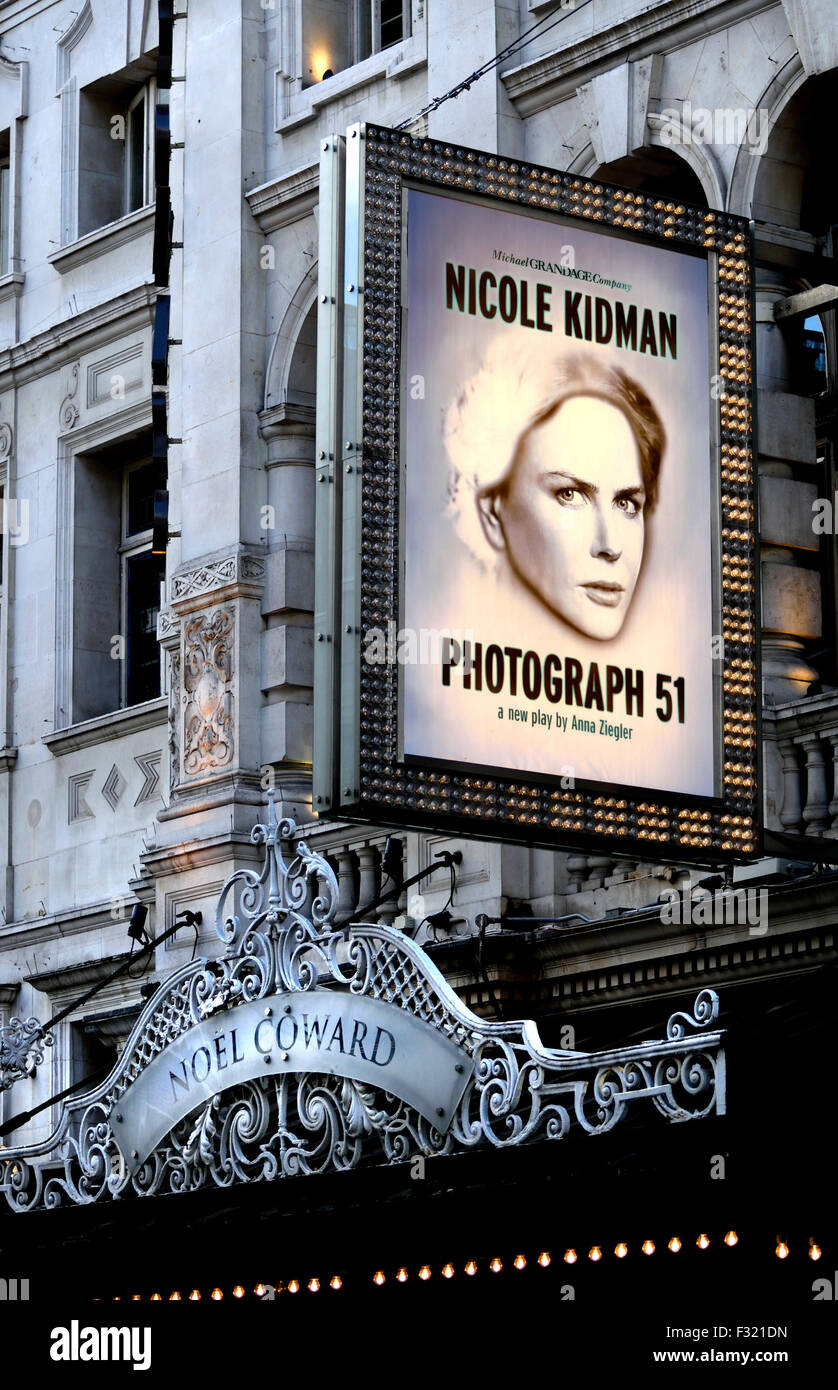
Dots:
pixel 208 697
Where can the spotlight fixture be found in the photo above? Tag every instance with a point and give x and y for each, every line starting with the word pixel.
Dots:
pixel 136 926
pixel 391 862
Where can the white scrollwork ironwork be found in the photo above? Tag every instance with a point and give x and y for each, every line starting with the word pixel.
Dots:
pixel 279 932
pixel 22 1044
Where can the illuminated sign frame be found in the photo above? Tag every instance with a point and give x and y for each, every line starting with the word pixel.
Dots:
pixel 358 771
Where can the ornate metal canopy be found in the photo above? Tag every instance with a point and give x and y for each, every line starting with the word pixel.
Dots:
pixel 309 1045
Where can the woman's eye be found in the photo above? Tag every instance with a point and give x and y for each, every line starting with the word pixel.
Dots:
pixel 567 495
pixel 628 505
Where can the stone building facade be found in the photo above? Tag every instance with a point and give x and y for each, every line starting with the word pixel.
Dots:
pixel 131 771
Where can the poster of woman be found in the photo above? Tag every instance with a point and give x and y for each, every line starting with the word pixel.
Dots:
pixel 558 500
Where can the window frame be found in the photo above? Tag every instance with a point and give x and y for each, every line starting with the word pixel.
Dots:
pixel 147 94
pixel 5 214
pixel 132 544
pixel 373 10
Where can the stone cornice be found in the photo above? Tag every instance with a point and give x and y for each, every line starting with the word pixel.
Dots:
pixel 287 418
pixel 63 343
pixel 117 725
pixel 553 77
pixel 240 574
pixel 286 198
pixel 816 715
pixel 81 976
pixel 55 926
pixel 103 240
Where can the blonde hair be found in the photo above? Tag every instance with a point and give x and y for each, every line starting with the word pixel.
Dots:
pixel 511 393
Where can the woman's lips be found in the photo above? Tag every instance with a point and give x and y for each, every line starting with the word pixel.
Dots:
pixel 607 595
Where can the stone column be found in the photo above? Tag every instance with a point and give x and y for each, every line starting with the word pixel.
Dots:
pixel 287 668
pixel 815 810
pixel 792 812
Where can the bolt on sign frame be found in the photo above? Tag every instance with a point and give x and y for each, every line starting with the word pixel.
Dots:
pixel 369 762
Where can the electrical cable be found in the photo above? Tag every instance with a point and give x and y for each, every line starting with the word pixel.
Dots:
pixel 520 42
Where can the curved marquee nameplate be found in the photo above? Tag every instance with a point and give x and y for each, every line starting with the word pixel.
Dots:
pixel 316 1031
pixel 308 1047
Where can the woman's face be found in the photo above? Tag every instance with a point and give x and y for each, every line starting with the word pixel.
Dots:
pixel 570 515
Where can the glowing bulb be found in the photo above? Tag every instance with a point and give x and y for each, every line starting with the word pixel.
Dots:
pixel 379 1277
pixel 217 1295
pixel 335 1282
pixel 471 1267
pixel 544 1259
pixel 175 1297
pixel 425 1272
pixel 814 1251
pixel 135 1298
pixel 293 1286
pixel 260 1290
pixel 496 1265
pixel 155 1298
pixel 782 1250
pixel 621 1251
pixel 703 1241
pixel 570 1257
pixel 314 1285
pixel 238 1291
pixel 675 1245
pixel 320 64
pixel 648 1247
pixel 594 1253
pixel 448 1271
pixel 520 1262
pixel 195 1296
pixel 731 1239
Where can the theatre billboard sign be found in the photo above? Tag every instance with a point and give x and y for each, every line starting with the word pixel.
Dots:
pixel 536 613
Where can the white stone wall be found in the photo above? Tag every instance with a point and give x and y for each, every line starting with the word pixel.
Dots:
pixel 83 822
